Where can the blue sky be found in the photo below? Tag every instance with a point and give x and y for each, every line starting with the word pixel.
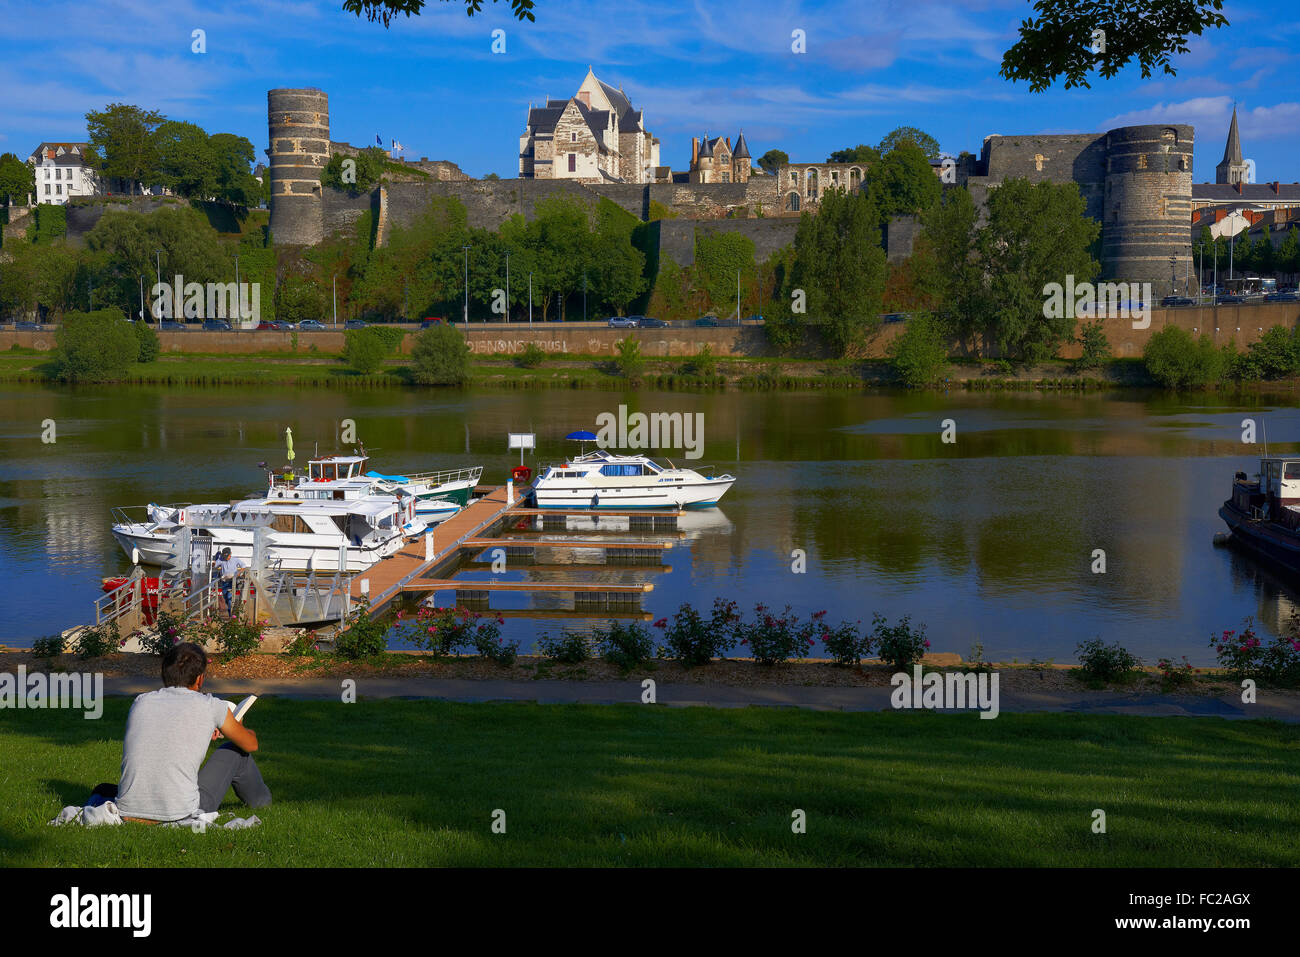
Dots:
pixel 433 83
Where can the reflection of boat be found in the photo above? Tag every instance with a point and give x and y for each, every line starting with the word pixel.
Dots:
pixel 301 533
pixel 1264 513
pixel 438 495
pixel 692 523
pixel 601 479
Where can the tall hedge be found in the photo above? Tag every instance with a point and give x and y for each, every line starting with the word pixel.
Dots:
pixel 97 346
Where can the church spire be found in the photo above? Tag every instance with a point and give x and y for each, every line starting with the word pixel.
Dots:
pixel 1232 152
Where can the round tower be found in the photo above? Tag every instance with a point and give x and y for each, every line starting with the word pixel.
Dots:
pixel 299 125
pixel 1147 206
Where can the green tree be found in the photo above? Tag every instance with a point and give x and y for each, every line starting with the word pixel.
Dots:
pixel 40 276
pixel 95 346
pixel 902 182
pixel 187 164
pixel 840 267
pixel 1176 360
pixel 1096 347
pixel 772 159
pixel 122 143
pixel 299 298
pixel 1287 256
pixel 146 341
pixel 1062 41
pixel 17 180
pixel 719 259
pixel 233 159
pixel 948 265
pixel 910 134
pixel 49 222
pixel 856 154
pixel 628 358
pixel 920 355
pixel 1036 235
pixel 354 174
pixel 365 349
pixel 440 356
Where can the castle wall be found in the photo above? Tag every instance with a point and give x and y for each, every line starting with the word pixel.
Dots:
pixel 1148 205
pixel 677 236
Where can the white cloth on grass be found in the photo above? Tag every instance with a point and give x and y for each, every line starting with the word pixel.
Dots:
pixel 108 814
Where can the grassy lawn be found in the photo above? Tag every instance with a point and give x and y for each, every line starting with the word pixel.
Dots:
pixel 415 783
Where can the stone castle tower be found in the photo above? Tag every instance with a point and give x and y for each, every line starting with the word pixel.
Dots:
pixel 298 122
pixel 1147 204
pixel 1232 169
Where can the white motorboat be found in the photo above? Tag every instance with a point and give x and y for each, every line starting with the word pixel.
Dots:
pixel 438 495
pixel 601 479
pixel 302 534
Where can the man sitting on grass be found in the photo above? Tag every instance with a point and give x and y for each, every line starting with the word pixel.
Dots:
pixel 167 735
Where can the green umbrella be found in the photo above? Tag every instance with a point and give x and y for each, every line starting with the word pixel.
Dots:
pixel 288 438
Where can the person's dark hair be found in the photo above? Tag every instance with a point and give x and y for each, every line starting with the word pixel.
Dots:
pixel 182 665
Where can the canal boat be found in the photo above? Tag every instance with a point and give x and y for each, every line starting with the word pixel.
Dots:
pixel 301 533
pixel 601 479
pixel 1263 513
pixel 438 495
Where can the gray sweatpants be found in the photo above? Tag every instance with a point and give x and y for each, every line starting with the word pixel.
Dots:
pixel 230 766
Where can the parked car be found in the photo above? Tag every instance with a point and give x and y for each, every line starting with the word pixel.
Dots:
pixel 753 319
pixel 895 317
pixel 649 322
pixel 355 324
pixel 28 325
pixel 284 326
pixel 311 324
pixel 1284 295
pixel 216 325
pixel 171 325
pixel 707 321
pixel 622 322
pixel 266 325
pixel 430 321
pixel 1177 301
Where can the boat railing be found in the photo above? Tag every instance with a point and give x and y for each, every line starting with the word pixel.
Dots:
pixel 139 514
pixel 226 516
pixel 443 477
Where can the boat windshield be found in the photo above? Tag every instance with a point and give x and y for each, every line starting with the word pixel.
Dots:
pixel 622 468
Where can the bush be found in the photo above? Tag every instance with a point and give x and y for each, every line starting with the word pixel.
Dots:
pixel 899 645
pixel 49 222
pixel 531 356
pixel 364 350
pixel 390 336
pixel 1176 360
pixel 774 639
pixel 845 646
pixel 920 355
pixel 1101 662
pixel 692 640
pixel 1096 347
pixel 234 637
pixel 97 641
pixel 305 641
pixel 1275 355
pixel 365 636
pixel 1174 675
pixel 147 340
pixel 628 646
pixel 703 363
pixel 95 346
pixel 169 630
pixel 489 644
pixel 1245 656
pixel 628 360
pixel 449 631
pixel 298 298
pixel 440 356
pixel 567 649
pixel 48 647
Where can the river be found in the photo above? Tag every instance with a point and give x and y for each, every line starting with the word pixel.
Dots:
pixel 991 538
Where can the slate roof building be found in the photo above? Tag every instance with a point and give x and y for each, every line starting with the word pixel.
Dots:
pixel 595 136
pixel 62 172
pixel 716 161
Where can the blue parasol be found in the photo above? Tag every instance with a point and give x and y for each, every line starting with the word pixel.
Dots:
pixel 581 436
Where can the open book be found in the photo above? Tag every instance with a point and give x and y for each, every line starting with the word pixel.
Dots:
pixel 241 709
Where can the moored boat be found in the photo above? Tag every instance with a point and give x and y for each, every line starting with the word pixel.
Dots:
pixel 1263 513
pixel 601 479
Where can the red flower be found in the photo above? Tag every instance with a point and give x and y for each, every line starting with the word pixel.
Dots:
pixel 661 623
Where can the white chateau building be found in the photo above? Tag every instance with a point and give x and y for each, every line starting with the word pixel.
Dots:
pixel 593 137
pixel 62 172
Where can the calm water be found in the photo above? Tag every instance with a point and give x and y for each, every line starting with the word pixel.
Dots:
pixel 989 539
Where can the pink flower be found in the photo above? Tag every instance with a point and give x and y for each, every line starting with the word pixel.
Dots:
pixel 661 623
pixel 927 642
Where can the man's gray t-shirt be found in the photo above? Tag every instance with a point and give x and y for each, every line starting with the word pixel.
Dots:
pixel 167 737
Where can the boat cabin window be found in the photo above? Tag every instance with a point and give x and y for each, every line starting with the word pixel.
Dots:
pixel 622 469
pixel 1292 471
pixel 289 523
pixel 652 469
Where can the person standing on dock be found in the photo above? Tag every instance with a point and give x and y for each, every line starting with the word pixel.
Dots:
pixel 228 568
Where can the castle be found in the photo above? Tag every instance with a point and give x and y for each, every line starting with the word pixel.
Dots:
pixel 1135 180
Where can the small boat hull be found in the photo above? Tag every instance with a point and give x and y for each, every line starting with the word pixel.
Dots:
pixel 1266 539
pixel 702 495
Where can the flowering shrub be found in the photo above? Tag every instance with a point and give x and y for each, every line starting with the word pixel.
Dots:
pixel 899 645
pixel 97 641
pixel 628 646
pixel 1102 662
pixel 305 641
pixel 235 637
pixel 1245 656
pixel 843 643
pixel 364 635
pixel 773 638
pixel 1176 675
pixel 169 630
pixel 567 649
pixel 692 640
pixel 48 647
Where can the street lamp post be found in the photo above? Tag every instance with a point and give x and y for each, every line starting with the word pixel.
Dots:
pixel 507 285
pixel 142 297
pixel 530 300
pixel 584 295
pixel 158 255
pixel 466 248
